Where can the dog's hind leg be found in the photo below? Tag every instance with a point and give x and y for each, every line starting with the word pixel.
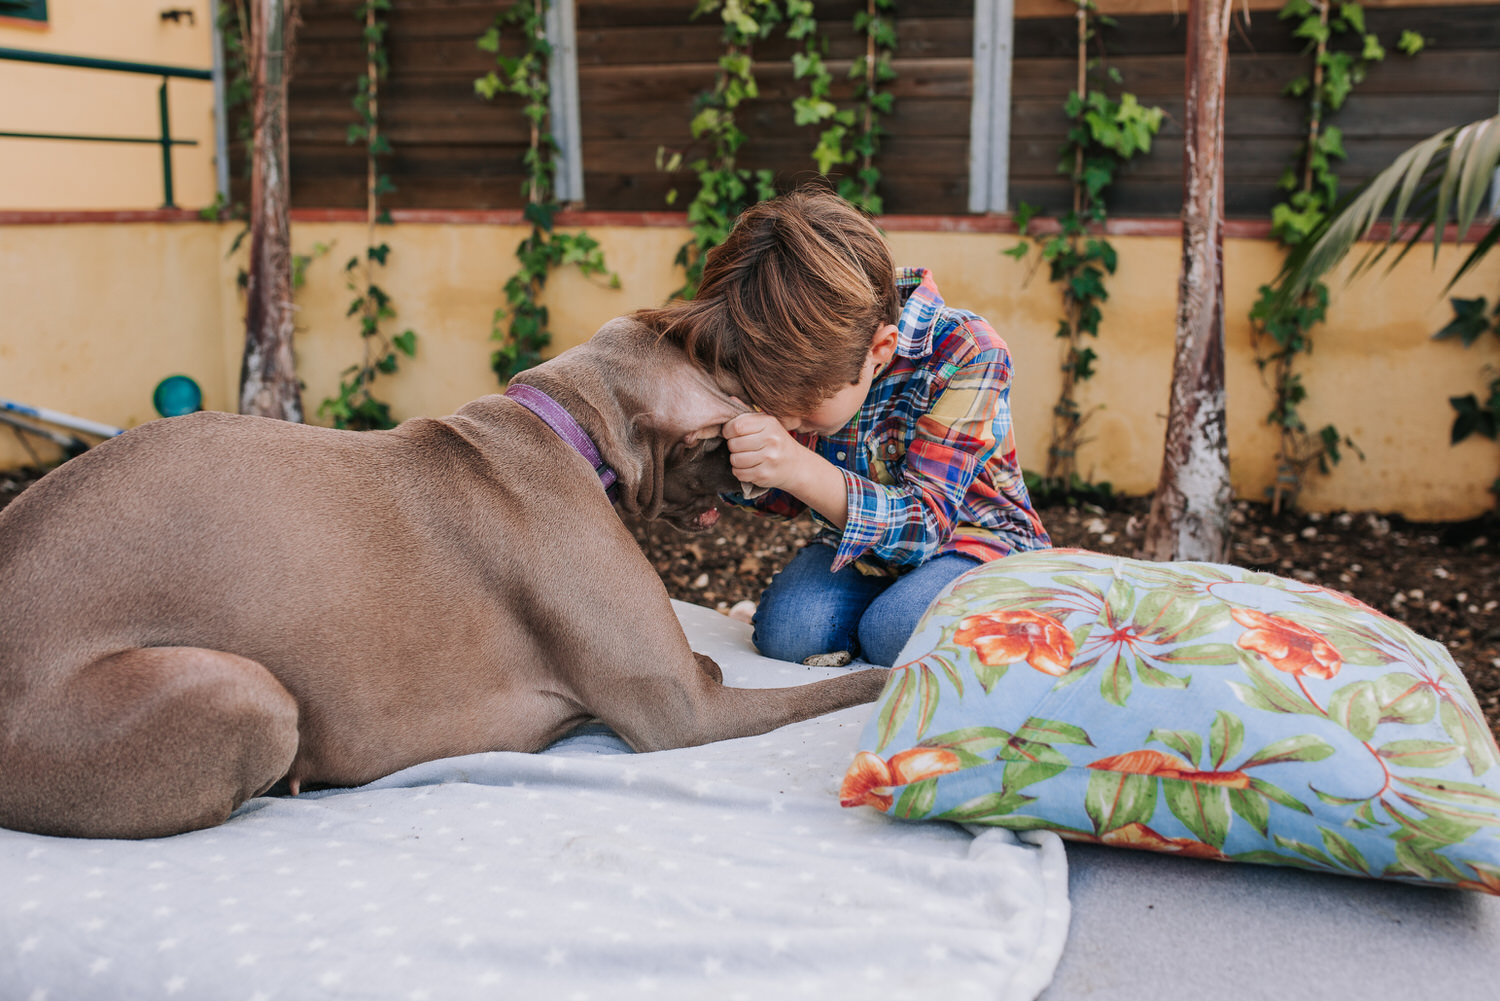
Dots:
pixel 145 743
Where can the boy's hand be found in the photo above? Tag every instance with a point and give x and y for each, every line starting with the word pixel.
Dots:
pixel 762 452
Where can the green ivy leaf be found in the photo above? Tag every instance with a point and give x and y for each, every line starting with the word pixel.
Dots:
pixel 1470 320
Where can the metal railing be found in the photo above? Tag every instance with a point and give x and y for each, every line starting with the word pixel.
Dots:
pixel 164 140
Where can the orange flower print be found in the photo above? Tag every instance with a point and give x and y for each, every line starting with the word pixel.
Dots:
pixel 1289 647
pixel 870 778
pixel 1169 766
pixel 1486 880
pixel 1019 634
pixel 1138 835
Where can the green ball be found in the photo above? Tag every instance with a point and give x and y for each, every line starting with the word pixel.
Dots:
pixel 177 395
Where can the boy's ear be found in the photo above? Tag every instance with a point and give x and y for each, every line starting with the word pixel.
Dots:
pixel 883 346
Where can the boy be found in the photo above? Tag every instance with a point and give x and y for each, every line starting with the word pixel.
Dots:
pixel 892 422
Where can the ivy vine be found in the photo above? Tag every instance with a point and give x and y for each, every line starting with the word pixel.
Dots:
pixel 870 72
pixel 725 189
pixel 847 136
pixel 522 324
pixel 356 407
pixel 1472 318
pixel 1105 134
pixel 1282 329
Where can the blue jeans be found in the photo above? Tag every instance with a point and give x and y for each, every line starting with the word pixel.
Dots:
pixel 808 609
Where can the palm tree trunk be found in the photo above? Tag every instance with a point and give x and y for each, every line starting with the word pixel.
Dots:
pixel 268 376
pixel 1190 511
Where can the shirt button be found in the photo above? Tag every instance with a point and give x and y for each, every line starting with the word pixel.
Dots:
pixel 840 456
pixel 890 450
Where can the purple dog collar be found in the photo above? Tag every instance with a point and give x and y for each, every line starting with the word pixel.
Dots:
pixel 559 420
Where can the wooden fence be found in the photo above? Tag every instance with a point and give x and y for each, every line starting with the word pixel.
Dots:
pixel 642 62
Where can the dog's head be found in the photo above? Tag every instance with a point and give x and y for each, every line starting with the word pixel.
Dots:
pixel 656 417
pixel 694 474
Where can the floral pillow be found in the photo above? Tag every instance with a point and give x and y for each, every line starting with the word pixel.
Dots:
pixel 1190 708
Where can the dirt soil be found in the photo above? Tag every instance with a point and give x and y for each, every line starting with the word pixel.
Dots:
pixel 1442 580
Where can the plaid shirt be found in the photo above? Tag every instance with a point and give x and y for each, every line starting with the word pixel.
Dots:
pixel 929 462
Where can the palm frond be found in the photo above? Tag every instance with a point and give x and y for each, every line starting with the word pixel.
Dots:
pixel 1443 178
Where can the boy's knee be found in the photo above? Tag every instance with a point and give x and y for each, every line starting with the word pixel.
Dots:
pixel 794 632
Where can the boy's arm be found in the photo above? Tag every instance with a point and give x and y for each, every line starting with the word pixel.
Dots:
pixel 905 524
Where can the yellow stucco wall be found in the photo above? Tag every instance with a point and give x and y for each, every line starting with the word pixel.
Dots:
pixel 50 174
pixel 92 316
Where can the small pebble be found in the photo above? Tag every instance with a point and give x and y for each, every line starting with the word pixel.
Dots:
pixel 743 611
pixel 700 582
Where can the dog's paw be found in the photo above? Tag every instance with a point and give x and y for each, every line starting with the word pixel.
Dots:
pixel 836 659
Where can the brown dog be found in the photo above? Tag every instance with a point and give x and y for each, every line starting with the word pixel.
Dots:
pixel 208 604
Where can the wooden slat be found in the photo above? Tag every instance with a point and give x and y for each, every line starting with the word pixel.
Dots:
pixel 1445 28
pixel 1122 8
pixel 939 78
pixel 612 13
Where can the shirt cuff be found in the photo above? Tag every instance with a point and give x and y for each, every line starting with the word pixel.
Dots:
pixel 869 511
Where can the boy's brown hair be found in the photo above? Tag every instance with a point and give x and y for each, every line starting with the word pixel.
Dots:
pixel 789 302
